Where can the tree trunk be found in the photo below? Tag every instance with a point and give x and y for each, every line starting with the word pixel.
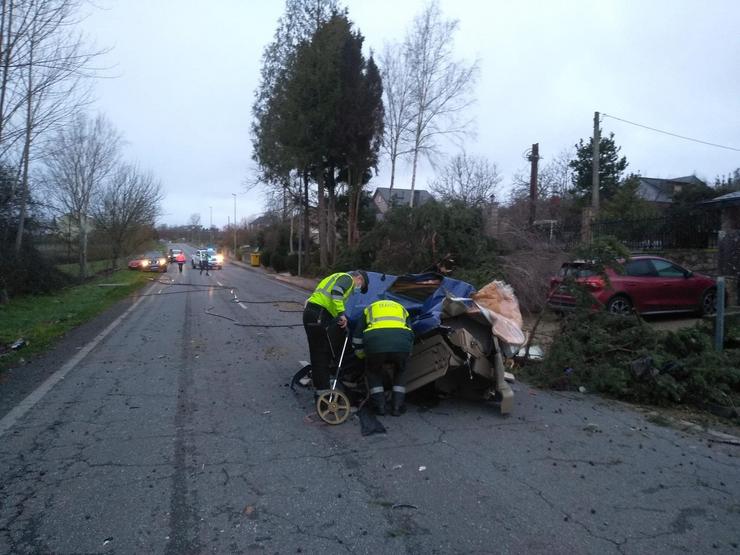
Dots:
pixel 413 177
pixel 393 174
pixel 23 196
pixel 323 250
pixel 331 225
pixel 306 223
pixel 83 246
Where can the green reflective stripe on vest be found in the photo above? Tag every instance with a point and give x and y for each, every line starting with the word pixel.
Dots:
pixel 323 296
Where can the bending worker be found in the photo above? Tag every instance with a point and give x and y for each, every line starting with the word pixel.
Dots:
pixel 324 316
pixel 384 336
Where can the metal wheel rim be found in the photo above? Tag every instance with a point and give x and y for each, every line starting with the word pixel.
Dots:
pixel 333 407
pixel 620 306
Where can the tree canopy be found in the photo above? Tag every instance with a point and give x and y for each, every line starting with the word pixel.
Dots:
pixel 611 168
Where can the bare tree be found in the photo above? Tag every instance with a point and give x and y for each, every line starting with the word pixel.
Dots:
pixel 394 71
pixel 441 86
pixel 472 180
pixel 42 67
pixel 80 159
pixel 131 201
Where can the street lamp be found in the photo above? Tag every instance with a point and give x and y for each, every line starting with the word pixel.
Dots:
pixel 234 195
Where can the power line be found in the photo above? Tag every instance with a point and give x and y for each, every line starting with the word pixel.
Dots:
pixel 671 134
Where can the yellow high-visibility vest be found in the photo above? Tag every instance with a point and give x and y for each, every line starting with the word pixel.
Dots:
pixel 384 315
pixel 323 295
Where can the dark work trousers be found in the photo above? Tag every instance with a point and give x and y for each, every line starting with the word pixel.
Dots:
pixel 374 368
pixel 179 265
pixel 317 322
pixel 204 266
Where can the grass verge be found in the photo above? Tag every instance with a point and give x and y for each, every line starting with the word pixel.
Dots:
pixel 42 319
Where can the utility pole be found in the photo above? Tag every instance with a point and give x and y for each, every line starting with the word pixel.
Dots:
pixel 534 159
pixel 210 229
pixel 234 195
pixel 595 166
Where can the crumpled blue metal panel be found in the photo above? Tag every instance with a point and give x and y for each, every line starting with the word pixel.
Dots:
pixel 425 309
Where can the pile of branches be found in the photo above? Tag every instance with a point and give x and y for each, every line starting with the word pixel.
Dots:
pixel 626 358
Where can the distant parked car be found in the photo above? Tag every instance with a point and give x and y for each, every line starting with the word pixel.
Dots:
pixel 154 262
pixel 647 284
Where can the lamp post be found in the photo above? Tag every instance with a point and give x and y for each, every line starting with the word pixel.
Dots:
pixel 234 195
pixel 210 228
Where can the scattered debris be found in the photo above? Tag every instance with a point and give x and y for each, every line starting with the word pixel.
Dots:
pixel 422 468
pixel 509 377
pixel 404 506
pixel 106 541
pixel 581 389
pixel 18 344
pixel 266 411
pixel 397 466
pixel 593 428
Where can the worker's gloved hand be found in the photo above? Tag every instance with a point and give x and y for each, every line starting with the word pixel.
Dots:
pixel 359 353
pixel 342 321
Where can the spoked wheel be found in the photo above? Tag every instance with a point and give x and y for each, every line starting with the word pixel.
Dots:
pixel 333 407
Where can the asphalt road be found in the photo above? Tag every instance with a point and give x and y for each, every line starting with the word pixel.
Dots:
pixel 176 433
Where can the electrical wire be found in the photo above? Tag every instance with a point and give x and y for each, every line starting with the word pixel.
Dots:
pixel 238 323
pixel 671 134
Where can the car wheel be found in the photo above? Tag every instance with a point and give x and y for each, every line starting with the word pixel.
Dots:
pixel 619 305
pixel 708 302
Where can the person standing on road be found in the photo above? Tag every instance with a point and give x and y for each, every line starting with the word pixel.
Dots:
pixel 203 262
pixel 180 259
pixel 324 317
pixel 384 336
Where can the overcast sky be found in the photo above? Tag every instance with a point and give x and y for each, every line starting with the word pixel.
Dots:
pixel 184 74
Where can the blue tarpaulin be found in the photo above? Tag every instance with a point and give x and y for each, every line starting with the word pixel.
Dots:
pixel 418 293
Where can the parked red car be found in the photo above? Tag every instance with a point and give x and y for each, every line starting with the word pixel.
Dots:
pixel 647 284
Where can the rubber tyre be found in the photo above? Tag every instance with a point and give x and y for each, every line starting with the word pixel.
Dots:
pixel 619 305
pixel 708 302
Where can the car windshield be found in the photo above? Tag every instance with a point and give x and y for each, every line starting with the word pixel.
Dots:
pixel 576 271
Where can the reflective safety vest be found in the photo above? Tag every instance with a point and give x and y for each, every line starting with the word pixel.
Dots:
pixel 331 297
pixel 384 315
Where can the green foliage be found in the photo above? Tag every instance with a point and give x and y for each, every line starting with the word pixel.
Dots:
pixel 626 204
pixel 278 261
pixel 291 263
pixel 413 239
pixel 626 358
pixel 266 258
pixel 611 168
pixel 42 319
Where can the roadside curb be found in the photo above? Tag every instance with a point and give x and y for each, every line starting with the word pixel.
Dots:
pixel 309 284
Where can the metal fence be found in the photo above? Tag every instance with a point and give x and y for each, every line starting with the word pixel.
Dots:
pixel 686 231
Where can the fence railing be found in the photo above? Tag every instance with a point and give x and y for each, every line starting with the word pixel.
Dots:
pixel 687 231
pixel 691 231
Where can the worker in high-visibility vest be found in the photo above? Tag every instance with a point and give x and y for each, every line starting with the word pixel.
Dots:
pixel 384 337
pixel 324 319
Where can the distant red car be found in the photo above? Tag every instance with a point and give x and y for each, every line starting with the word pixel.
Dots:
pixel 134 264
pixel 647 284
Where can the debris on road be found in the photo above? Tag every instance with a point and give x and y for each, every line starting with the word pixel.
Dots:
pixel 18 344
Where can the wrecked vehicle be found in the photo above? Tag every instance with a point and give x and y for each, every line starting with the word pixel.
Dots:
pixel 462 336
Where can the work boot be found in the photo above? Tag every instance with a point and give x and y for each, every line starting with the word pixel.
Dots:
pixel 378 402
pixel 398 407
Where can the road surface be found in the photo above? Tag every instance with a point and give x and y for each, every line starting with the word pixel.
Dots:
pixel 175 432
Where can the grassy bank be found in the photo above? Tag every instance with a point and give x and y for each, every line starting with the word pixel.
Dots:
pixel 42 319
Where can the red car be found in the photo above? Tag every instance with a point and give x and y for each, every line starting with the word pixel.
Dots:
pixel 647 284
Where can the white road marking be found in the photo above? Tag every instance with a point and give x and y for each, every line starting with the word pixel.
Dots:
pixel 9 420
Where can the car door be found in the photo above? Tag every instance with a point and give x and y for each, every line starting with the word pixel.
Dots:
pixel 674 292
pixel 639 281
